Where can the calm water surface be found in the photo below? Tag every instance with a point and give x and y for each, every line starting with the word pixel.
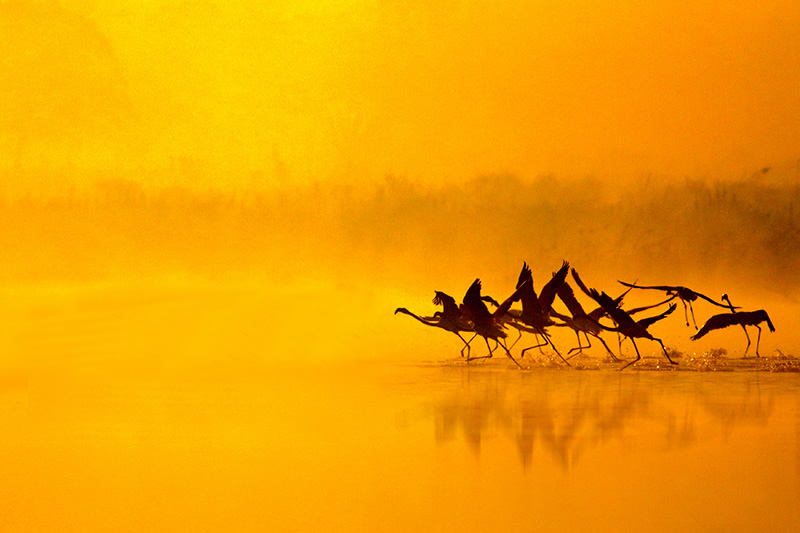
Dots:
pixel 237 446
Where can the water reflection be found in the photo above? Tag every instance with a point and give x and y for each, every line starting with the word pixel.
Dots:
pixel 550 416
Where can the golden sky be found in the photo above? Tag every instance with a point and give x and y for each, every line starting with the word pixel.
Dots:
pixel 253 93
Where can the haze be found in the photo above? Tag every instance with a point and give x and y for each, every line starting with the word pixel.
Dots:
pixel 362 152
pixel 248 94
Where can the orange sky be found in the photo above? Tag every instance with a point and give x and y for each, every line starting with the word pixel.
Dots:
pixel 208 93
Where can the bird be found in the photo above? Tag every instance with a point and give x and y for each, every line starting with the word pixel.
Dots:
pixel 626 325
pixel 581 321
pixel 684 294
pixel 649 321
pixel 450 319
pixel 487 325
pixel 725 298
pixel 536 310
pixel 743 318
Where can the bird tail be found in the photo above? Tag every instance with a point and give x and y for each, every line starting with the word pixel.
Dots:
pixel 769 323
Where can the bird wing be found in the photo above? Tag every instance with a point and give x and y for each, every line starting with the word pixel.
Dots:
pixel 524 274
pixel 657 287
pixel 550 289
pixel 649 321
pixel 619 316
pixel 503 308
pixel 568 297
pixel 646 307
pixel 473 294
pixel 530 301
pixel 723 320
pixel 580 282
pixel 446 301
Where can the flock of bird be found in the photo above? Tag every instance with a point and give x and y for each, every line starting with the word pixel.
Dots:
pixel 537 315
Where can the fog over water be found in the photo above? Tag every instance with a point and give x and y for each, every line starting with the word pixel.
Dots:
pixel 330 263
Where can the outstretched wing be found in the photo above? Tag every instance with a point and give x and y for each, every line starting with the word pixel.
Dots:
pixel 530 301
pixel 720 321
pixel 503 308
pixel 646 307
pixel 611 308
pixel 656 287
pixel 447 302
pixel 550 290
pixel 524 275
pixel 649 321
pixel 567 296
pixel 580 282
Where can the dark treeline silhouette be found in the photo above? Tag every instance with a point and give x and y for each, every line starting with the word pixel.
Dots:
pixel 397 230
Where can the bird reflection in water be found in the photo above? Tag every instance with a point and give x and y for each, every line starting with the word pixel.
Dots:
pixel 565 420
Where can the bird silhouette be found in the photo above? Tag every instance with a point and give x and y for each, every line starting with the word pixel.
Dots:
pixel 488 325
pixel 536 310
pixel 725 298
pixel 449 319
pixel 742 318
pixel 686 296
pixel 581 322
pixel 626 325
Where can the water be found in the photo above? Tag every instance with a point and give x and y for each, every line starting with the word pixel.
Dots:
pixel 156 410
pixel 388 447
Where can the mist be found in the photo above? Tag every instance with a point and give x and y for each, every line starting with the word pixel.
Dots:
pixel 326 265
pixel 280 163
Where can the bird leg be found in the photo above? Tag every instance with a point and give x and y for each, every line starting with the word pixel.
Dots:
pixel 685 312
pixel 758 341
pixel 747 336
pixel 547 337
pixel 534 346
pixel 748 342
pixel 519 336
pixel 579 347
pixel 483 356
pixel 665 351
pixel 509 354
pixel 637 355
pixel 466 343
pixel 613 357
pixel 693 320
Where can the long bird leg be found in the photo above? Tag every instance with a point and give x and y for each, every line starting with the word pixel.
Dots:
pixel 491 352
pixel 509 354
pixel 665 352
pixel 748 342
pixel 466 344
pixel 613 357
pixel 637 355
pixel 536 336
pixel 547 337
pixel 580 347
pixel 519 336
pixel 693 320
pixel 758 341
pixel 685 311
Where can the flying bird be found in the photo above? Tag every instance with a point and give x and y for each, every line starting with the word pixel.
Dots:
pixel 450 319
pixel 581 322
pixel 487 325
pixel 536 310
pixel 626 325
pixel 742 318
pixel 684 294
